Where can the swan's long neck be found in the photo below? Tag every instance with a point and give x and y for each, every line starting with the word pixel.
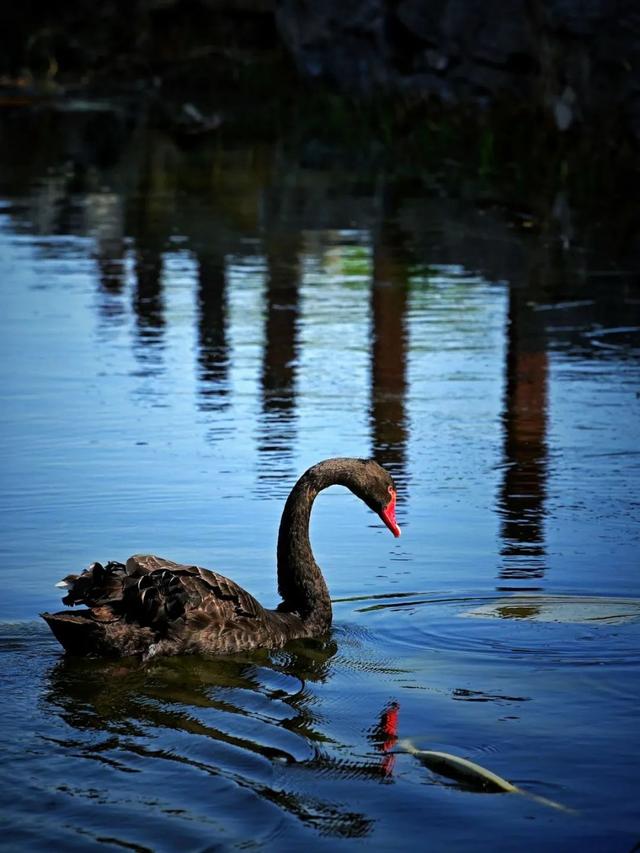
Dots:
pixel 300 581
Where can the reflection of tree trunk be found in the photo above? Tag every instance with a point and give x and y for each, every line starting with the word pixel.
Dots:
pixel 278 372
pixel 110 256
pixel 280 354
pixel 150 228
pixel 148 303
pixel 522 497
pixel 213 348
pixel 389 352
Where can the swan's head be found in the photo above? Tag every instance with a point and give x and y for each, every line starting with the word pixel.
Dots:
pixel 376 488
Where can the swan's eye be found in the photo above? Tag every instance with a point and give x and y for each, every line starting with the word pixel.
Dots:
pixel 392 495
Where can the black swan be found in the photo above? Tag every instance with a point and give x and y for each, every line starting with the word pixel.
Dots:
pixel 153 606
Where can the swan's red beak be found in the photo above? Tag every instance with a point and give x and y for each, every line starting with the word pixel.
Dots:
pixel 388 514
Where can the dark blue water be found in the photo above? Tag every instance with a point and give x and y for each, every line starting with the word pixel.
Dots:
pixel 182 333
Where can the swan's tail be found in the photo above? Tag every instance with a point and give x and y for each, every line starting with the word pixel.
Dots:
pixel 98 632
pixel 85 631
pixel 125 611
pixel 76 632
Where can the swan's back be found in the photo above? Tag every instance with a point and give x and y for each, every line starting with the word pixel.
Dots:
pixel 152 605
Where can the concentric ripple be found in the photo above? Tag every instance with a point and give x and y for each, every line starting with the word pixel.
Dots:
pixel 539 629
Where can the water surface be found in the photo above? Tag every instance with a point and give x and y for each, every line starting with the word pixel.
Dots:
pixel 182 333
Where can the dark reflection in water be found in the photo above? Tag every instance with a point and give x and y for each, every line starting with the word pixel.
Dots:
pixel 213 345
pixel 94 693
pixel 523 491
pixel 149 224
pixel 192 711
pixel 148 301
pixel 110 254
pixel 389 296
pixel 277 427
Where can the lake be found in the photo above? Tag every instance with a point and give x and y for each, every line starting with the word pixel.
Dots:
pixel 184 330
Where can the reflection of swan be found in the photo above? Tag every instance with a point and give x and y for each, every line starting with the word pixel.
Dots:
pixel 155 606
pixel 247 721
pixel 385 736
pixel 127 697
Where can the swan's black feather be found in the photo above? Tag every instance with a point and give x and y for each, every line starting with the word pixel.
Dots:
pixel 151 605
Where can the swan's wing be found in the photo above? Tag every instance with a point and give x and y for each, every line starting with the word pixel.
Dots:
pixel 142 564
pixel 161 591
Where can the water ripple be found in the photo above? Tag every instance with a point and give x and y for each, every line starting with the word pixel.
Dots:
pixel 538 629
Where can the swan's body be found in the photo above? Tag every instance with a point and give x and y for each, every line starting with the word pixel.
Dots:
pixel 154 606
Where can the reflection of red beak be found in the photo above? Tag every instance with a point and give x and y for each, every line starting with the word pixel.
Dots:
pixel 388 515
pixel 389 727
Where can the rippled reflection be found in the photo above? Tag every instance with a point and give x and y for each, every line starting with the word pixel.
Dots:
pixel 150 227
pixel 389 296
pixel 277 433
pixel 110 253
pixel 234 719
pixel 148 302
pixel 213 344
pixel 523 491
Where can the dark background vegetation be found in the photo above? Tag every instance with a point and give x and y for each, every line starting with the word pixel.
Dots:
pixel 524 99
